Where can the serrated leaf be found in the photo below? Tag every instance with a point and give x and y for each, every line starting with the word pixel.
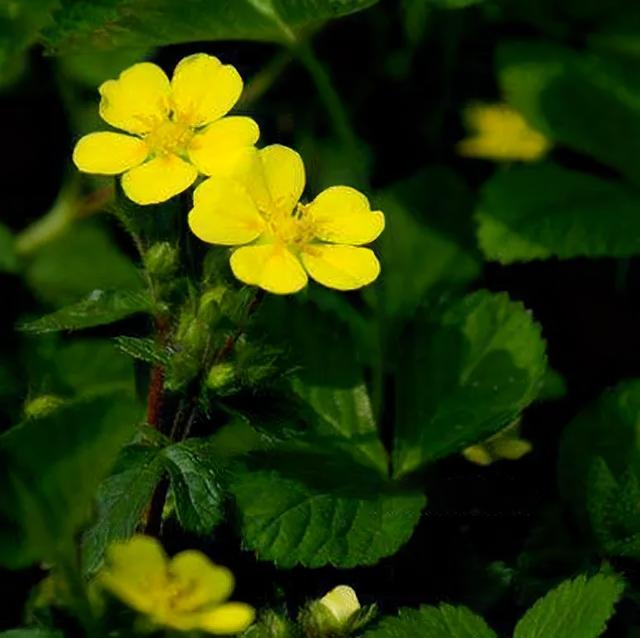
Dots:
pixel 308 509
pixel 196 481
pixel 122 498
pixel 143 349
pixel 464 376
pixel 99 308
pixel 51 468
pixel 102 24
pixel 444 621
pixel 564 94
pixel 607 430
pixel 579 607
pixel 574 215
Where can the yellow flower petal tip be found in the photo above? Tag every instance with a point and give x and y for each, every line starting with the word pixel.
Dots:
pixel 187 592
pixel 500 133
pixel 342 602
pixel 175 128
pixel 504 445
pixel 280 241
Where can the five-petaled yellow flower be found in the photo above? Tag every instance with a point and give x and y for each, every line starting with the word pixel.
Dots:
pixel 185 593
pixel 280 239
pixel 177 128
pixel 501 133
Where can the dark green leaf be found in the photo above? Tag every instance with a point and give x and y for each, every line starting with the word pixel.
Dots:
pixel 427 243
pixel 444 621
pixel 564 94
pixel 146 350
pixel 77 262
pixel 465 375
pixel 81 24
pixel 580 607
pixel 51 468
pixel 99 308
pixel 314 510
pixel 195 474
pixel 574 215
pixel 122 498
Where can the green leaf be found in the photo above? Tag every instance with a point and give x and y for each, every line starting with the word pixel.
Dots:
pixel 147 350
pixel 564 94
pixel 51 468
pixel 122 498
pixel 579 607
pixel 427 245
pixel 309 509
pixel 599 467
pixel 82 259
pixel 196 474
pixel 345 415
pixel 464 375
pixel 574 215
pixel 99 308
pixel 8 257
pixel 444 621
pixel 101 24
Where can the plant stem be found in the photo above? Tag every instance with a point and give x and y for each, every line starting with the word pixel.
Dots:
pixel 262 81
pixel 154 517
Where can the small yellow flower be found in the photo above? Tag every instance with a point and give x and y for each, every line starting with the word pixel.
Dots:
pixel 502 134
pixel 342 601
pixel 288 239
pixel 177 128
pixel 504 445
pixel 185 593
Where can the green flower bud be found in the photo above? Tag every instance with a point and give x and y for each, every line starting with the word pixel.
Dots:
pixel 220 376
pixel 161 259
pixel 331 616
pixel 42 406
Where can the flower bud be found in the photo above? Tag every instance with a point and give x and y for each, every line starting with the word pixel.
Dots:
pixel 161 259
pixel 331 616
pixel 43 405
pixel 220 375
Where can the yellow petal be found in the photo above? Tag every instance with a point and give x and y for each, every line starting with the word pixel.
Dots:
pixel 278 179
pixel 203 89
pixel 158 180
pixel 342 215
pixel 223 213
pixel 135 570
pixel 270 266
pixel 138 100
pixel 198 581
pixel 108 153
pixel 224 146
pixel 231 618
pixel 340 267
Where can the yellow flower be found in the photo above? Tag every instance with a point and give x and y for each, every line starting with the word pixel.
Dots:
pixel 342 602
pixel 504 445
pixel 185 593
pixel 502 134
pixel 288 239
pixel 177 128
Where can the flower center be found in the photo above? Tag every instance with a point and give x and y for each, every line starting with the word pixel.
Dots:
pixel 169 137
pixel 294 228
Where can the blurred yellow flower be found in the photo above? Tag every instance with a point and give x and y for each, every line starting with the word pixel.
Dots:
pixel 342 601
pixel 187 592
pixel 502 134
pixel 504 445
pixel 177 128
pixel 288 239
